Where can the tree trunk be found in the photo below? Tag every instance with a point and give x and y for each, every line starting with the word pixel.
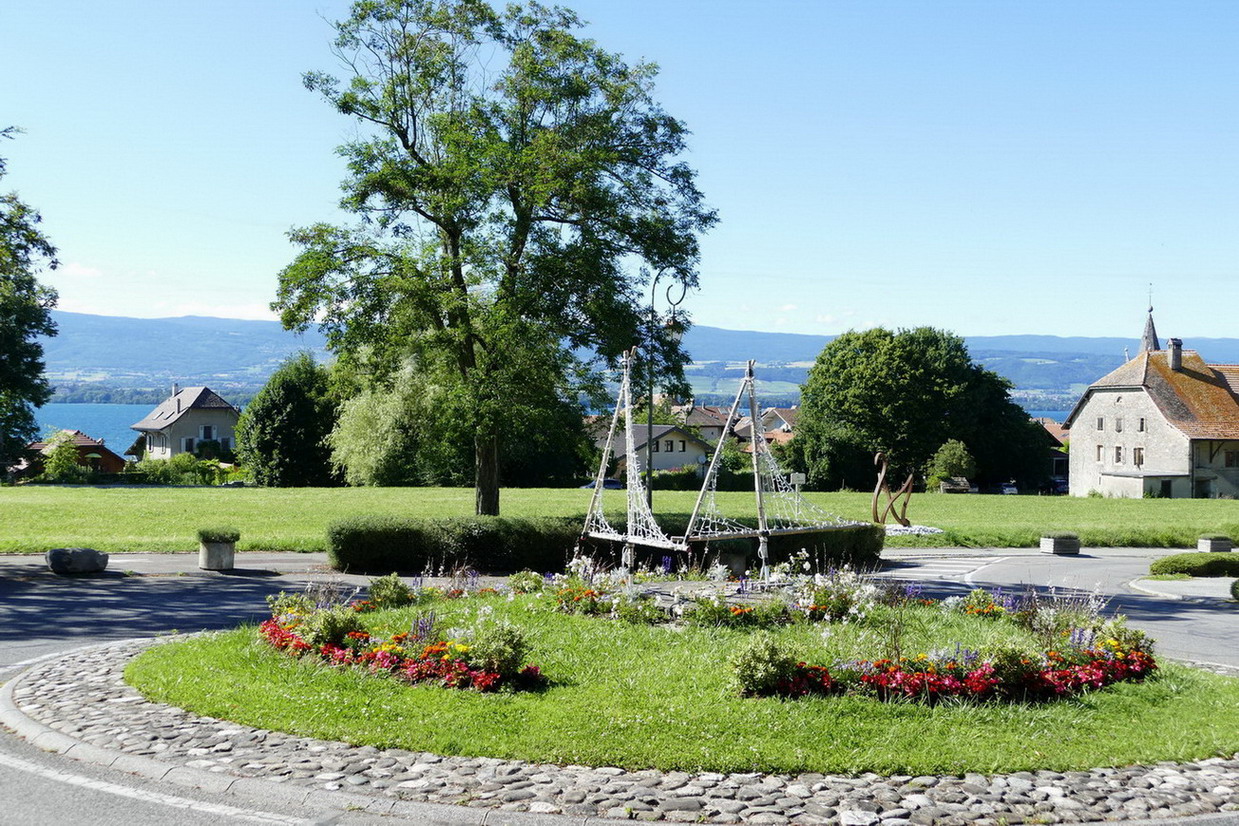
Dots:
pixel 486 474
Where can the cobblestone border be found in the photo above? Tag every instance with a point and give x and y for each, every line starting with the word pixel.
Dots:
pixel 78 704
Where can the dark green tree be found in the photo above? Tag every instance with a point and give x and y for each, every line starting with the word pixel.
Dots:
pixel 25 314
pixel 509 177
pixel 282 433
pixel 905 394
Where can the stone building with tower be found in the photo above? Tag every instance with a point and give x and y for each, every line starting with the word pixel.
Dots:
pixel 1164 424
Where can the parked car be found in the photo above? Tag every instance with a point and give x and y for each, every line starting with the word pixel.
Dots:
pixel 1010 488
pixel 607 484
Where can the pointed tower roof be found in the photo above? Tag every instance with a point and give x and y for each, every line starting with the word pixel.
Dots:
pixel 1149 342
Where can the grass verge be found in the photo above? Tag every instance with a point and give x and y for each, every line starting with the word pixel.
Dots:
pixel 117 520
pixel 642 697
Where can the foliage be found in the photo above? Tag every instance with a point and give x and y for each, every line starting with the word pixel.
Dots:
pixel 840 595
pixel 500 647
pixel 1234 590
pixel 526 582
pixel 509 175
pixel 181 469
pixel 641 609
pixel 218 534
pixel 715 611
pixel 762 664
pixel 491 544
pixel 60 461
pixel 906 394
pixel 329 625
pixel 282 433
pixel 952 459
pixel 1197 564
pixel 390 592
pixel 25 316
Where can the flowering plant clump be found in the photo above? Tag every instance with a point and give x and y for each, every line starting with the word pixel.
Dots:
pixel 575 596
pixel 484 659
pixel 717 611
pixel 839 595
pixel 981 603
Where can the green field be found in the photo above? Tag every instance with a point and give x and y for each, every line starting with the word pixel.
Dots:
pixel 36 518
pixel 642 696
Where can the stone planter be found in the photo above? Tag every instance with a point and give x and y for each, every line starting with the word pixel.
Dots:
pixel 1060 547
pixel 1213 545
pixel 216 556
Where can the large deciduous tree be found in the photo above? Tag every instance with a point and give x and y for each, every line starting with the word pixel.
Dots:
pixel 905 394
pixel 282 433
pixel 25 314
pixel 516 184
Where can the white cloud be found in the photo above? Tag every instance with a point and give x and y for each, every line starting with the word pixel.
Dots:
pixel 825 319
pixel 75 270
pixel 788 308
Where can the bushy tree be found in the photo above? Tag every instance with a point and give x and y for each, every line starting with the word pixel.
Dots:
pixel 952 459
pixel 905 394
pixel 60 462
pixel 25 314
pixel 514 183
pixel 282 433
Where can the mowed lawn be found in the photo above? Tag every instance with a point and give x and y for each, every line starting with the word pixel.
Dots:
pixel 36 518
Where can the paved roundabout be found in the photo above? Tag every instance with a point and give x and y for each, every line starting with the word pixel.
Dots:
pixel 78 704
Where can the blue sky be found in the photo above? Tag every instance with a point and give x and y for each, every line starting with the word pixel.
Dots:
pixel 985 167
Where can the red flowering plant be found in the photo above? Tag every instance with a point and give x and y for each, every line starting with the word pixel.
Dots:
pixel 485 658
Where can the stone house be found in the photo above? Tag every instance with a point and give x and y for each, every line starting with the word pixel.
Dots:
pixel 189 416
pixel 1164 424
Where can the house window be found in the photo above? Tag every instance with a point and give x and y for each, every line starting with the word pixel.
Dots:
pixel 1118 425
pixel 1167 489
pixel 655 445
pixel 1118 454
pixel 187 444
pixel 206 432
pixel 1140 424
pixel 1101 453
pixel 1232 458
pixel 683 446
pixel 1101 422
pixel 669 445
pixel 1137 456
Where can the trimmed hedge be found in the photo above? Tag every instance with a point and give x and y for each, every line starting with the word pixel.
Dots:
pixel 502 545
pixel 1198 564
pixel 491 544
pixel 1234 589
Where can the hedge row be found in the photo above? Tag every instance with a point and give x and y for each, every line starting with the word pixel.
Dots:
pixel 1198 564
pixel 498 545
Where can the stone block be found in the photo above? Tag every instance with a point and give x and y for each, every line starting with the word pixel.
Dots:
pixel 1059 547
pixel 216 556
pixel 1213 545
pixel 76 560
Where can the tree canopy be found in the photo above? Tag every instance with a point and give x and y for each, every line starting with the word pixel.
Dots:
pixel 907 393
pixel 516 185
pixel 25 314
pixel 282 433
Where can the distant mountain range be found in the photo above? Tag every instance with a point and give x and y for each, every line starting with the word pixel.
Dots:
pixel 117 359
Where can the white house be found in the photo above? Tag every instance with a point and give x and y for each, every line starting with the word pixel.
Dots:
pixel 1164 424
pixel 673 447
pixel 189 416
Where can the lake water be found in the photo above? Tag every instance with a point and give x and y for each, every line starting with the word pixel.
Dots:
pixel 109 422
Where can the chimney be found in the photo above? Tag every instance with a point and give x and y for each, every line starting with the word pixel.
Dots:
pixel 1175 359
pixel 176 388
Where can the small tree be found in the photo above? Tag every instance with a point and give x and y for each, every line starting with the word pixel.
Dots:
pixel 282 433
pixel 60 463
pixel 952 459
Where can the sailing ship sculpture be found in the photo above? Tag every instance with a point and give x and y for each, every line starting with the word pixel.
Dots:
pixel 781 510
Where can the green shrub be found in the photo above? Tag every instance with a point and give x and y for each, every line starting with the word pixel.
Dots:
pixel 1215 537
pixel 526 582
pixel 761 664
pixel 390 592
pixel 492 544
pixel 218 534
pixel 500 647
pixel 1234 589
pixel 859 546
pixel 330 626
pixel 639 610
pixel 1197 564
pixel 1061 535
pixel 284 603
pixel 681 478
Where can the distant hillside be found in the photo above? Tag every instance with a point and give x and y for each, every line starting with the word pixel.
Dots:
pixel 110 358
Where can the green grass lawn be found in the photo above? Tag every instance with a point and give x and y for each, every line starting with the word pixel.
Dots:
pixel 642 697
pixel 36 518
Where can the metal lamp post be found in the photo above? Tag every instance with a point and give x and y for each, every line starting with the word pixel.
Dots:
pixel 673 331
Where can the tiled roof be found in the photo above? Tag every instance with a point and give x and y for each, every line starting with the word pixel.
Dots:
pixel 1056 430
pixel 80 439
pixel 180 403
pixel 1199 399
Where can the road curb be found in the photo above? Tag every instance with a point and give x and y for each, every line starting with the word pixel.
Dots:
pixel 1136 585
pixel 258 789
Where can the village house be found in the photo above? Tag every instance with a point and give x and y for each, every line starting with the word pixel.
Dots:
pixel 91 453
pixel 1164 424
pixel 189 416
pixel 673 447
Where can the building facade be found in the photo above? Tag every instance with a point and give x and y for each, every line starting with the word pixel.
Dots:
pixel 189 416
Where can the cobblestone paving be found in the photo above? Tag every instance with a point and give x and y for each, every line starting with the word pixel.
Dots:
pixel 84 696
